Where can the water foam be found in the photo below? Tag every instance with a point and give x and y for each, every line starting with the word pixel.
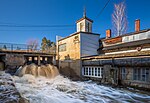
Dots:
pixel 48 70
pixel 62 90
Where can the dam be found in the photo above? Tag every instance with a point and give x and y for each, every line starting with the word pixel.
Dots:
pixel 43 83
pixel 84 68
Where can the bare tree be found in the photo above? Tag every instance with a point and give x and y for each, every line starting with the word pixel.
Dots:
pixel 32 44
pixel 119 19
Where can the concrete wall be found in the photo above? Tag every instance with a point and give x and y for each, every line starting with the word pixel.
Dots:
pixel 70 68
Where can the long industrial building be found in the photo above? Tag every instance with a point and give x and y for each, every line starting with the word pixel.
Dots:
pixel 117 60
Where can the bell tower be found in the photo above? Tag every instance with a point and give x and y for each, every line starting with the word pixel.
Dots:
pixel 84 24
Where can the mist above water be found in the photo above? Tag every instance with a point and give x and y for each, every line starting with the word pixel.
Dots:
pixel 62 90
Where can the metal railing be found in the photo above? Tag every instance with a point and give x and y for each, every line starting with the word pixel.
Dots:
pixel 24 48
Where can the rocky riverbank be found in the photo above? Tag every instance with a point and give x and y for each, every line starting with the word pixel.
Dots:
pixel 8 91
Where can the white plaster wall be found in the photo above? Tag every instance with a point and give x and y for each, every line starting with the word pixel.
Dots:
pixel 136 37
pixel 89 44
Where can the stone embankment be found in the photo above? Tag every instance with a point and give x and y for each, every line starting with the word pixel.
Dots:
pixel 8 91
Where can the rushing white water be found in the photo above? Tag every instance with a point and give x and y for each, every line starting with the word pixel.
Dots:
pixel 8 92
pixel 63 90
pixel 48 70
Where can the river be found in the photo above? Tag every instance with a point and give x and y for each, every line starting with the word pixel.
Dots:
pixel 63 90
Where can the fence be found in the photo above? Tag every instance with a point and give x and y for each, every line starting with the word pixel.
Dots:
pixel 24 48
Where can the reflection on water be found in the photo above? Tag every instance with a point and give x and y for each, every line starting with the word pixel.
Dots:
pixel 62 90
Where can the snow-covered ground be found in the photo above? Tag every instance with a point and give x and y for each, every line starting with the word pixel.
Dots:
pixel 63 90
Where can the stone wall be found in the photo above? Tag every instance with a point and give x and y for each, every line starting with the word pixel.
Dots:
pixel 70 68
pixel 128 81
pixel 109 75
pixel 2 66
pixel 69 59
pixel 14 59
pixel 12 62
pixel 112 70
pixel 136 84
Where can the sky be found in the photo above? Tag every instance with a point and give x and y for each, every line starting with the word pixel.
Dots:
pixel 62 12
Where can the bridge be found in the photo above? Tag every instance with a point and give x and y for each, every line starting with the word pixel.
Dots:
pixel 20 54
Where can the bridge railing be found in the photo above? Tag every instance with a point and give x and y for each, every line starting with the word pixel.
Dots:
pixel 24 48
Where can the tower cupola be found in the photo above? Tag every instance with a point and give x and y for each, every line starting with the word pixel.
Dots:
pixel 84 24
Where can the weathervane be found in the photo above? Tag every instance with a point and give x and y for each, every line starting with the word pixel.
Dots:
pixel 84 13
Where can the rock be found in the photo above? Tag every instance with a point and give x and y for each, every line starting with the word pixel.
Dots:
pixel 8 91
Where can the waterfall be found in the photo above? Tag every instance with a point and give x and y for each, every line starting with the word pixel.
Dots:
pixel 49 71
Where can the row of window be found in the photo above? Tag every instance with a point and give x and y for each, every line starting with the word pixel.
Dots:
pixel 139 74
pixel 135 37
pixel 92 72
pixel 88 27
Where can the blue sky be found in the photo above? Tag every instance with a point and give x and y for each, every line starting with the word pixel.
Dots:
pixel 62 12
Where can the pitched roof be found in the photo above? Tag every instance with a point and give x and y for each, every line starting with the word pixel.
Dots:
pixel 128 34
pixel 83 19
pixel 78 33
pixel 127 44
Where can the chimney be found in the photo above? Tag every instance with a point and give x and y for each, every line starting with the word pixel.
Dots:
pixel 108 33
pixel 137 25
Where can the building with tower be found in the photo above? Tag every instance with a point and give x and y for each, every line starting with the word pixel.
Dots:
pixel 71 48
pixel 117 60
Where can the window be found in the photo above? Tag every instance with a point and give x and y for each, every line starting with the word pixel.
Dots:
pixel 89 71
pixel 102 72
pixel 123 73
pixel 127 39
pixel 135 74
pixel 99 72
pixel 81 26
pixel 88 27
pixel 86 71
pixel 95 71
pixel 147 73
pixel 92 71
pixel 62 47
pixel 141 74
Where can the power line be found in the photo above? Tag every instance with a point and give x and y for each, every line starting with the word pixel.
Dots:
pixel 103 9
pixel 62 29
pixel 49 26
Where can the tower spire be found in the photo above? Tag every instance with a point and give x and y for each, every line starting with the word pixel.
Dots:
pixel 84 12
